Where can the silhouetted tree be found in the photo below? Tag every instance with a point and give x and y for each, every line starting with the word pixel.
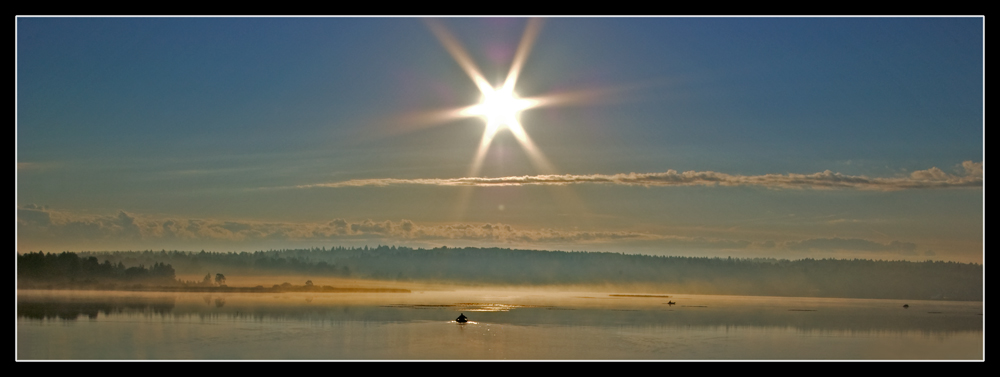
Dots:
pixel 220 279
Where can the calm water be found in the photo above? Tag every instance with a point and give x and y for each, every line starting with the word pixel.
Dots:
pixel 505 325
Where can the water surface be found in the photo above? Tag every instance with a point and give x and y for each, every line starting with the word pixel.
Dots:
pixel 529 325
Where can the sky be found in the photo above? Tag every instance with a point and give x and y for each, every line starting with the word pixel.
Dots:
pixel 787 137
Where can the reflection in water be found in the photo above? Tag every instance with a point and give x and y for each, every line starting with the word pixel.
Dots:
pixel 824 314
pixel 33 308
pixel 647 323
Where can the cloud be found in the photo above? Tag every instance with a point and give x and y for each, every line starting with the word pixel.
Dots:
pixel 973 168
pixel 853 244
pixel 38 224
pixel 38 220
pixel 827 180
pixel 54 225
pixel 491 232
pixel 34 215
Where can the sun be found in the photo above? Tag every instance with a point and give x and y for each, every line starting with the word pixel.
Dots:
pixel 501 106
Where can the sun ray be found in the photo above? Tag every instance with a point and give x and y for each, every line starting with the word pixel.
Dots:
pixel 458 52
pixel 527 40
pixel 413 121
pixel 500 106
pixel 541 163
pixel 484 145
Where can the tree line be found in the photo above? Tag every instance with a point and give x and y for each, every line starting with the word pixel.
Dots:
pixel 69 267
pixel 858 278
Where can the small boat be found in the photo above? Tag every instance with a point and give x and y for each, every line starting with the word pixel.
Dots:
pixel 671 303
pixel 462 318
pixel 906 306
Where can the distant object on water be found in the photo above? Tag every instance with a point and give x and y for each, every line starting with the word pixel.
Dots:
pixel 906 306
pixel 671 303
pixel 462 318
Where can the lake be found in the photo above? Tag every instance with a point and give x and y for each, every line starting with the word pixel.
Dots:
pixel 504 325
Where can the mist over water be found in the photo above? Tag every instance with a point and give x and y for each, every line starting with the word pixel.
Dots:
pixel 506 324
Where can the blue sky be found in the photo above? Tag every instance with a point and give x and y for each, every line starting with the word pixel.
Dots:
pixel 252 133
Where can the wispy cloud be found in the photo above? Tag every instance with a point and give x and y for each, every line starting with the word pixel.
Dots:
pixel 36 222
pixel 827 180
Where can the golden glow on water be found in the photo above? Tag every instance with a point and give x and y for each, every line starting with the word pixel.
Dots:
pixel 490 307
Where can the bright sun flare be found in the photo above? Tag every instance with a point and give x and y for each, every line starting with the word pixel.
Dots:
pixel 501 107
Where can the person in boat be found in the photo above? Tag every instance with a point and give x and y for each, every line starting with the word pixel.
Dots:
pixel 670 303
pixel 462 318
